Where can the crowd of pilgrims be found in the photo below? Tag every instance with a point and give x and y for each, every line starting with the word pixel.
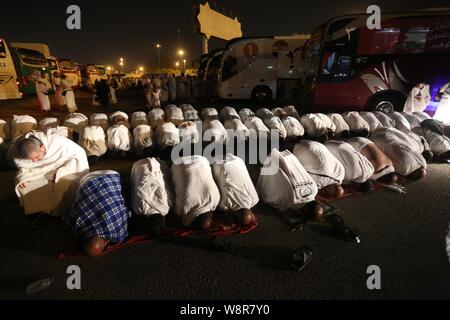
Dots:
pixel 318 154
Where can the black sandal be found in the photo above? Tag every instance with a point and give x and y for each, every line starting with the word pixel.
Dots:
pixel 341 228
pixel 300 258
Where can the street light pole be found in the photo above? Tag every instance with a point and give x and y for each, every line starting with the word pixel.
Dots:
pixel 121 64
pixel 158 46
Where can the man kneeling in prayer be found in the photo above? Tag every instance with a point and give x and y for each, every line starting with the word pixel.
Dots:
pixel 382 164
pixel 197 195
pixel 404 151
pixel 285 185
pixel 322 166
pixel 152 193
pixel 99 214
pixel 237 192
pixel 358 169
pixel 49 168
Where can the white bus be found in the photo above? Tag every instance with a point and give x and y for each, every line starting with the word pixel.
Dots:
pixel 9 87
pixel 262 68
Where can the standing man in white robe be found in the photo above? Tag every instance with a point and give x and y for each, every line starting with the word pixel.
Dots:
pixel 443 110
pixel 60 101
pixel 41 90
pixel 418 98
pixel 68 94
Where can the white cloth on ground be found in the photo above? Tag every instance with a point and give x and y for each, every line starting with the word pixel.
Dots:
pixel 151 187
pixel 320 163
pixel 357 167
pixel 235 186
pixel 284 183
pixel 400 148
pixel 119 138
pixel 195 189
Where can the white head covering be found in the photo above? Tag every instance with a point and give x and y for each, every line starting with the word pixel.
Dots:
pixel 142 137
pixel 167 135
pixel 239 129
pixel 156 117
pixel 209 114
pixel 246 114
pixel 138 118
pixel 356 123
pixel 228 113
pixel 384 119
pixel 400 121
pixel 189 131
pixel 214 130
pixel 119 138
pixel 293 127
pixel 371 120
pixel 314 126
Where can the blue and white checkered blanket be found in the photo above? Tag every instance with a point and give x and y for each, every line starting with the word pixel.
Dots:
pixel 99 209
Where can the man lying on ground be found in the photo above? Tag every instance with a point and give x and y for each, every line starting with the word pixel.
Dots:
pixel 99 214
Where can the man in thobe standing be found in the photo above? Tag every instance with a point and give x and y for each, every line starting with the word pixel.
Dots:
pixel 60 101
pixel 443 110
pixel 418 98
pixel 66 86
pixel 41 90
pixel 172 84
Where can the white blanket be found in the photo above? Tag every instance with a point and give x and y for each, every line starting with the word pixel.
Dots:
pixel 356 122
pixel 167 135
pixel 195 189
pixel 119 138
pixel 401 123
pixel 320 163
pixel 357 167
pixel 400 148
pixel 290 187
pixel 339 123
pixel 151 188
pixel 142 138
pixel 50 181
pixel 371 120
pixel 236 188
pixel 138 118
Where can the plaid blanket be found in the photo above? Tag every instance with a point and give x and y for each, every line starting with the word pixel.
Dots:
pixel 99 209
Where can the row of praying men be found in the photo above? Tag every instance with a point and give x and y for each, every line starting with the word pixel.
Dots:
pixel 50 167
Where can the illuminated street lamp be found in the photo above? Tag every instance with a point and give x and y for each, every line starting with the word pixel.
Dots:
pixel 184 65
pixel 141 69
pixel 181 53
pixel 121 64
pixel 158 46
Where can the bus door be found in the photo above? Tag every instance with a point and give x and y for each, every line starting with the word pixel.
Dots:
pixel 9 88
pixel 288 73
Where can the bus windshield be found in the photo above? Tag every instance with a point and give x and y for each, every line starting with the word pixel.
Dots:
pixel 101 71
pixel 32 57
pixel 68 65
pixel 213 68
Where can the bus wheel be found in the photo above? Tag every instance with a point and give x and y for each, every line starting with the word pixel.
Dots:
pixel 387 103
pixel 262 94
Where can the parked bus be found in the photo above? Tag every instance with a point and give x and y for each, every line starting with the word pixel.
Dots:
pixel 71 70
pixel 348 66
pixel 9 85
pixel 262 68
pixel 208 73
pixel 26 61
pixel 102 74
pixel 42 48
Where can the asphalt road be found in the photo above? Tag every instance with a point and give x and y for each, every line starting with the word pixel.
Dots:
pixel 402 234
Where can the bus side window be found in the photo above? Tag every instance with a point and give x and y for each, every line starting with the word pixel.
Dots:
pixel 230 68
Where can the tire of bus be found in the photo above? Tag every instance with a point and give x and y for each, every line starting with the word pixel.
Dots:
pixel 262 94
pixel 387 102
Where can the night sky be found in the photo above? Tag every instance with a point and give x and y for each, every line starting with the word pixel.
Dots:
pixel 131 28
